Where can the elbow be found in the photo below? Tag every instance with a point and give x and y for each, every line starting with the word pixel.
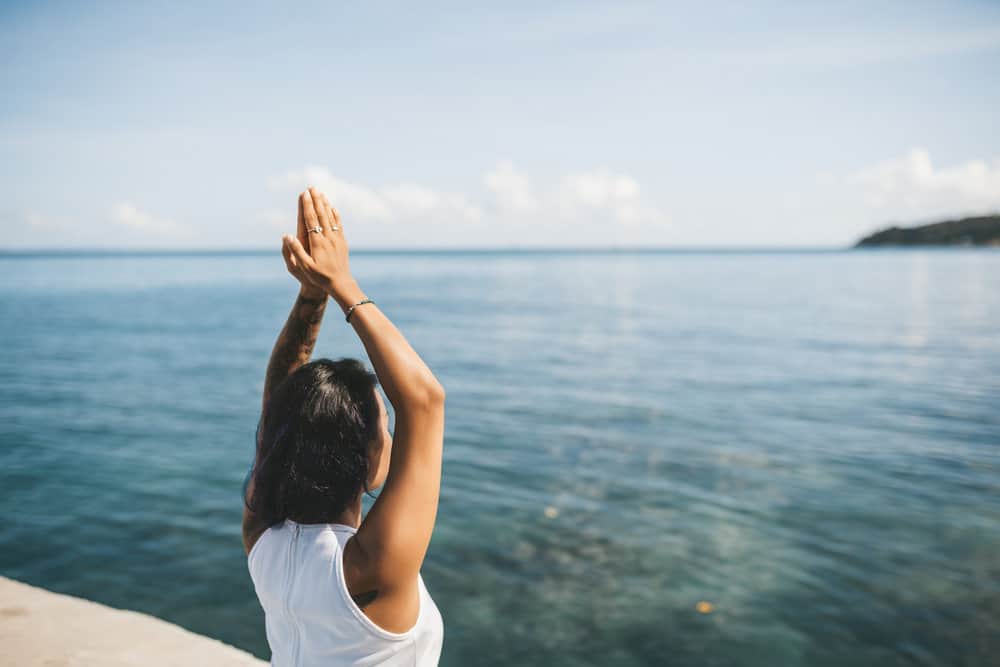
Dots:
pixel 430 397
pixel 434 395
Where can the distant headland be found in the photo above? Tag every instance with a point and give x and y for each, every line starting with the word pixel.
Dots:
pixel 977 231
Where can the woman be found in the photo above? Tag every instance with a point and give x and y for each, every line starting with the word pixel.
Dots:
pixel 338 589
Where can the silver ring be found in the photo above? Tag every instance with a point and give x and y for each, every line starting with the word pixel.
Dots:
pixel 314 229
pixel 334 228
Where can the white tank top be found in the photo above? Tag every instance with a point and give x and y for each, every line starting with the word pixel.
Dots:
pixel 309 615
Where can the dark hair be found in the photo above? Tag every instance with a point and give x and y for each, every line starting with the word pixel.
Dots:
pixel 312 443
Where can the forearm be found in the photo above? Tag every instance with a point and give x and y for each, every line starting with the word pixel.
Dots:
pixel 297 339
pixel 407 380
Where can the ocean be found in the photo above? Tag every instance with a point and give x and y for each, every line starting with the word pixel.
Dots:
pixel 651 458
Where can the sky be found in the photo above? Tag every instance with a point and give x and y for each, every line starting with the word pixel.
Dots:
pixel 437 125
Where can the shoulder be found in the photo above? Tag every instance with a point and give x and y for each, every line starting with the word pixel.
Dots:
pixel 257 542
pixel 252 525
pixel 391 609
pixel 251 537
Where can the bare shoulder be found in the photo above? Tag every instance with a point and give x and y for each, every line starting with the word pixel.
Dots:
pixel 252 531
pixel 393 607
pixel 252 527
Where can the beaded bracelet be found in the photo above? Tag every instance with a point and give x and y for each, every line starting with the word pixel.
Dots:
pixel 351 309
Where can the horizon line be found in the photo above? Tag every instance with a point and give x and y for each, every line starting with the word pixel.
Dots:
pixel 255 251
pixel 14 253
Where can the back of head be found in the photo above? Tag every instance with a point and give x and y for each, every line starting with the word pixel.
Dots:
pixel 313 443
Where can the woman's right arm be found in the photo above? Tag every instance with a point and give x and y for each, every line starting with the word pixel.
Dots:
pixel 395 534
pixel 393 538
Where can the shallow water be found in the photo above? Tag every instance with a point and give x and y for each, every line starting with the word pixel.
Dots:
pixel 808 441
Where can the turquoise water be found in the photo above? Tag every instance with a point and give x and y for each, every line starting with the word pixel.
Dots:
pixel 808 441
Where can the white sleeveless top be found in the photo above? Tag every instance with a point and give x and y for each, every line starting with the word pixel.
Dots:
pixel 310 617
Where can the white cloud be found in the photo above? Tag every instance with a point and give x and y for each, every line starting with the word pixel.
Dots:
pixel 597 198
pixel 613 197
pixel 128 215
pixel 425 203
pixel 510 188
pixel 281 219
pixel 911 186
pixel 396 203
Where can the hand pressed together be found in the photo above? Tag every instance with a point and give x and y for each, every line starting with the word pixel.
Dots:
pixel 318 259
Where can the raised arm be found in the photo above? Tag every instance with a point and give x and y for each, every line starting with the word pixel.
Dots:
pixel 293 348
pixel 296 341
pixel 389 546
pixel 298 337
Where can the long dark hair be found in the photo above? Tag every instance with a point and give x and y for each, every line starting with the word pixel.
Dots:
pixel 312 443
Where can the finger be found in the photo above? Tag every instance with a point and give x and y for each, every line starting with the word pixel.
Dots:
pixel 317 202
pixel 332 216
pixel 308 212
pixel 290 261
pixel 301 228
pixel 295 270
pixel 302 258
pixel 337 221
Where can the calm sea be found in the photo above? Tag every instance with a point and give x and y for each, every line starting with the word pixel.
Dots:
pixel 807 441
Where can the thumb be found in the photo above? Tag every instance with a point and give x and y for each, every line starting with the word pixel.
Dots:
pixel 301 256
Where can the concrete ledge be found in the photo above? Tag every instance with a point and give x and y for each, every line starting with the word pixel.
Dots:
pixel 38 627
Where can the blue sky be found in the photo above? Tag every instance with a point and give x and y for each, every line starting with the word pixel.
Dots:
pixel 149 125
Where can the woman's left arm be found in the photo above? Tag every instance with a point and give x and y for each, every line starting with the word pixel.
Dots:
pixel 293 349
pixel 297 339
